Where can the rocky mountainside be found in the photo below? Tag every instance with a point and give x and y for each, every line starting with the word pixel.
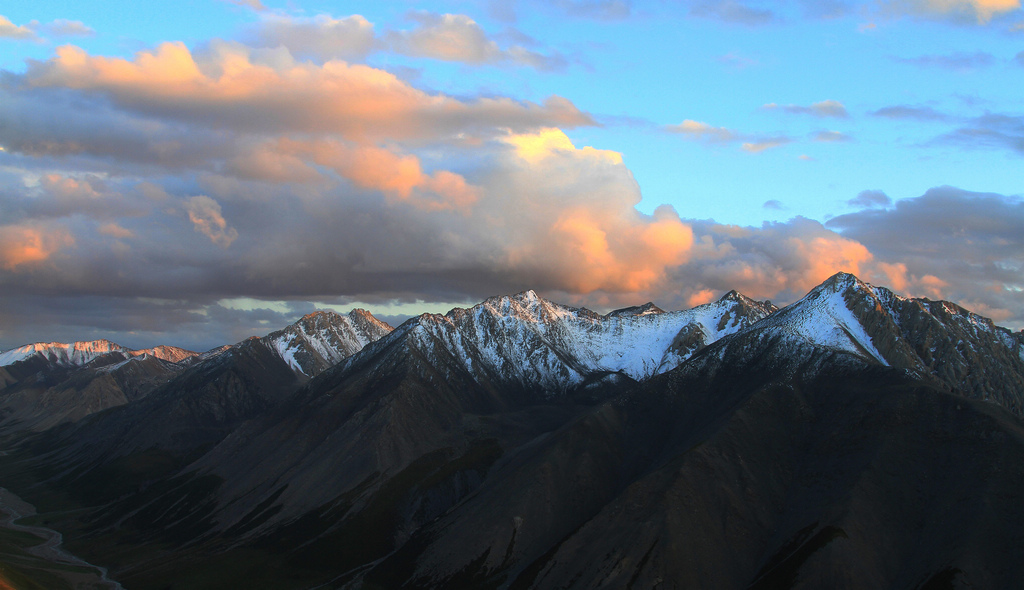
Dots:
pixel 320 339
pixel 852 439
pixel 45 384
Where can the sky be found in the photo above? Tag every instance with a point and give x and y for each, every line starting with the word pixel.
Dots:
pixel 194 173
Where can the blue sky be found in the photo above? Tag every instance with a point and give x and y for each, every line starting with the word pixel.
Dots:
pixel 602 152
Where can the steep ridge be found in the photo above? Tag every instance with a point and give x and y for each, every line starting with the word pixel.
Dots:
pixel 951 347
pixel 320 339
pixel 45 384
pixel 40 400
pixel 534 343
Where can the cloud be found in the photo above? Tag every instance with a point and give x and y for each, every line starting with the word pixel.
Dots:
pixel 917 113
pixel 731 11
pixel 321 37
pixel 825 108
pixel 970 244
pixel 774 205
pixel 870 198
pixel 234 87
pixel 1019 59
pixel 458 38
pixel 703 132
pixel 780 261
pixel 9 30
pixel 67 28
pixel 444 37
pixel 116 231
pixel 24 246
pixel 958 62
pixel 596 9
pixel 989 131
pixel 255 5
pixel 979 12
pixel 205 215
pixel 760 145
pixel 336 182
pixel 830 136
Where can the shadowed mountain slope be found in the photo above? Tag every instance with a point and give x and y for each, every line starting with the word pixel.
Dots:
pixel 852 439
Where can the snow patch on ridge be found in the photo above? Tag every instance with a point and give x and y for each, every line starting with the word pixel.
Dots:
pixel 823 318
pixel 527 339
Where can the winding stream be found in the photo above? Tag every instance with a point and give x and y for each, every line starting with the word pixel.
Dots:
pixel 50 549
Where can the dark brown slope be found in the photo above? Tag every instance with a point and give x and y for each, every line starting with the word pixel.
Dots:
pixel 37 394
pixel 847 476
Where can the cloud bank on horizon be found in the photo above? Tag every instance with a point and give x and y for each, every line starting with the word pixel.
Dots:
pixel 200 193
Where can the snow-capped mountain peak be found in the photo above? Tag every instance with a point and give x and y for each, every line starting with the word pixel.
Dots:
pixel 77 354
pixel 321 339
pixel 526 339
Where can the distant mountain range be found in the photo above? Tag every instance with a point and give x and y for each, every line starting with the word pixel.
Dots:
pixel 852 439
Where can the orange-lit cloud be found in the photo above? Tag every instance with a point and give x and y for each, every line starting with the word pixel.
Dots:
pixel 577 221
pixel 237 87
pixel 22 246
pixel 207 219
pixel 700 298
pixel 398 176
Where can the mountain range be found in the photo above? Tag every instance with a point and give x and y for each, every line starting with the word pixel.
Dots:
pixel 854 438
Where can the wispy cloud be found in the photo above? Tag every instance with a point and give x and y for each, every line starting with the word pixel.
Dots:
pixel 958 62
pixel 444 37
pixel 35 31
pixel 255 5
pixel 979 12
pixel 454 37
pixel 732 11
pixel 825 108
pixel 703 132
pixel 913 112
pixel 992 130
pixel 830 136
